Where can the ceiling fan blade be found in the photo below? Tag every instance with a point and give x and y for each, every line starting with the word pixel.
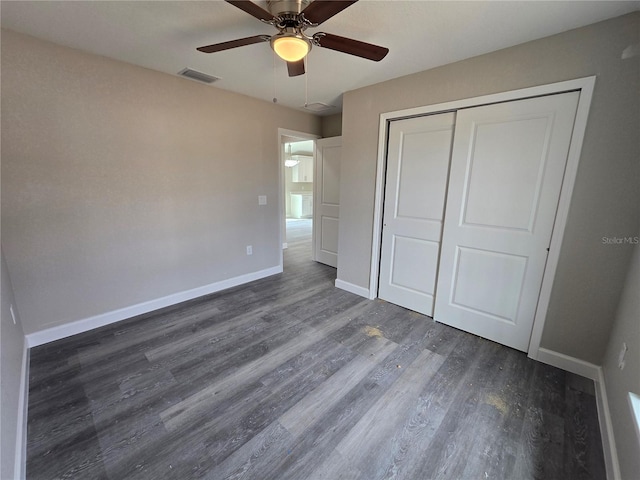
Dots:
pixel 252 9
pixel 319 11
pixel 350 46
pixel 296 68
pixel 241 42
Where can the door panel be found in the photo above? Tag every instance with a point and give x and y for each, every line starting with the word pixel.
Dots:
pixel 512 202
pixel 422 255
pixel 507 167
pixel 329 234
pixel 421 191
pixel 417 168
pixel 326 218
pixel 496 299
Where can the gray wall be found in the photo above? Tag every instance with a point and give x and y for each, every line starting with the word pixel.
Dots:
pixel 606 198
pixel 122 185
pixel 626 328
pixel 11 352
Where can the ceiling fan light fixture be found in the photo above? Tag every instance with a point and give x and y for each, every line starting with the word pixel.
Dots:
pixel 290 47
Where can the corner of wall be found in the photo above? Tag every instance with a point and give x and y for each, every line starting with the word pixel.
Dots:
pixel 15 384
pixel 595 373
pixel 611 463
pixel 20 465
pixel 353 288
pixel 567 363
pixel 621 371
pixel 332 125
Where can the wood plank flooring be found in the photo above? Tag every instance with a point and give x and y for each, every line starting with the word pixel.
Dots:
pixel 291 378
pixel 299 230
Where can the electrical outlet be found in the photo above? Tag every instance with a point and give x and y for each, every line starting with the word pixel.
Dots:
pixel 621 358
pixel 249 250
pixel 262 199
pixel 13 315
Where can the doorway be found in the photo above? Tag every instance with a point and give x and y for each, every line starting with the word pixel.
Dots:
pixel 298 192
pixel 297 182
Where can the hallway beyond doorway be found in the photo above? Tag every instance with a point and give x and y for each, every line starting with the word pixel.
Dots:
pixel 299 230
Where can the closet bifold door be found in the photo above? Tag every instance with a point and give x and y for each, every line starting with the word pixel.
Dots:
pixel 507 168
pixel 418 156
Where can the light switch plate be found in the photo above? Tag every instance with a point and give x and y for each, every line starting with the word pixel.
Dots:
pixel 262 199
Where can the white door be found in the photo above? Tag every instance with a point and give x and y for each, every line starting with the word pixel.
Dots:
pixel 326 204
pixel 418 155
pixel 507 167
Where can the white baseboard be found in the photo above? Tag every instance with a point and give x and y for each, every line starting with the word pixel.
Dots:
pixel 20 465
pixel 570 364
pixel 606 429
pixel 350 287
pixel 83 325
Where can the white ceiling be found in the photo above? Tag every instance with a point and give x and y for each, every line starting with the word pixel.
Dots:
pixel 421 34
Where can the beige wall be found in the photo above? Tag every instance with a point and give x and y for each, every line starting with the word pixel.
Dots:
pixel 332 125
pixel 606 197
pixel 619 383
pixel 122 185
pixel 11 353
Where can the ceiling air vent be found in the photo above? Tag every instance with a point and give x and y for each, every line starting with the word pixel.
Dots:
pixel 318 107
pixel 198 76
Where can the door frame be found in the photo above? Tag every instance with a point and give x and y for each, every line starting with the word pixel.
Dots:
pixel 585 86
pixel 282 210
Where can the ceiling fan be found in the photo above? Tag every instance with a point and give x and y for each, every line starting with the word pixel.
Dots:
pixel 291 43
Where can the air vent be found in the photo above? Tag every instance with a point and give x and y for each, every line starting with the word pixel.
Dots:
pixel 318 107
pixel 198 76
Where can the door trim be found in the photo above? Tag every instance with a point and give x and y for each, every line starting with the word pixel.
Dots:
pixel 585 86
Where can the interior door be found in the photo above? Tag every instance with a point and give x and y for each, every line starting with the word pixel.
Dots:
pixel 418 154
pixel 326 216
pixel 507 167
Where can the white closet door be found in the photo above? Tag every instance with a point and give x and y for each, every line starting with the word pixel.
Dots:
pixel 417 168
pixel 507 168
pixel 326 217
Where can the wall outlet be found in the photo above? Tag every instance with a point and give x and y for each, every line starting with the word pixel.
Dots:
pixel 621 358
pixel 249 250
pixel 13 315
pixel 262 199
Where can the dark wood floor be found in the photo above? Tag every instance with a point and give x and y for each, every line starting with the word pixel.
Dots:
pixel 291 378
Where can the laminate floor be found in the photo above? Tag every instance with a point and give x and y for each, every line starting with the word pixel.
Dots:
pixel 290 378
pixel 299 230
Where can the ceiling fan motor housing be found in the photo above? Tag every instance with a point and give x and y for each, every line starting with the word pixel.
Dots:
pixel 278 7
